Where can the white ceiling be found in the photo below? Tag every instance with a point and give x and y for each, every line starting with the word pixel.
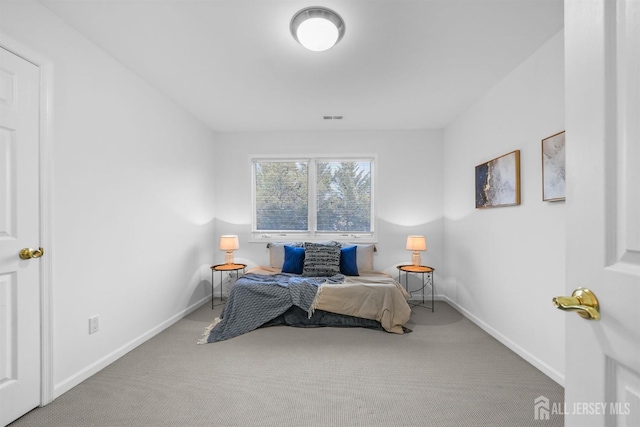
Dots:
pixel 402 64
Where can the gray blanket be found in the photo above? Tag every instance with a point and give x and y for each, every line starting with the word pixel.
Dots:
pixel 299 318
pixel 256 299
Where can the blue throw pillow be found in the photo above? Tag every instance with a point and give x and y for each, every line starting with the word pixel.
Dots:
pixel 348 264
pixel 293 260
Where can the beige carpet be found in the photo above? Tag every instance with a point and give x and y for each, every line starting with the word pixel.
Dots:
pixel 448 372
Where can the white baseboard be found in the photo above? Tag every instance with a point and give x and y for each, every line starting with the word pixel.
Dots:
pixel 543 367
pixel 72 381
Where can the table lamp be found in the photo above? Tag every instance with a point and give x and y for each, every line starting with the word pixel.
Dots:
pixel 415 244
pixel 229 243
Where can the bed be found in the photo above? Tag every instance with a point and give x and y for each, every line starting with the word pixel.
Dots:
pixel 312 285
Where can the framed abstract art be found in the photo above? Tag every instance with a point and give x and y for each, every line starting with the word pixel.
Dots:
pixel 498 181
pixel 553 168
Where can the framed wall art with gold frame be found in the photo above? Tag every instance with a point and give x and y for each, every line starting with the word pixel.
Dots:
pixel 553 168
pixel 498 181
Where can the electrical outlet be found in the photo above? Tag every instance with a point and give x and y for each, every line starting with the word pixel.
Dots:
pixel 93 324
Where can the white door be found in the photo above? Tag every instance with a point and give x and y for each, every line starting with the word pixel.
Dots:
pixel 602 70
pixel 19 228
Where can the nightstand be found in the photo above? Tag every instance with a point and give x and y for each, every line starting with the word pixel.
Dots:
pixel 426 280
pixel 222 268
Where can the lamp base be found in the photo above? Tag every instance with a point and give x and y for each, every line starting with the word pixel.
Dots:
pixel 415 259
pixel 228 259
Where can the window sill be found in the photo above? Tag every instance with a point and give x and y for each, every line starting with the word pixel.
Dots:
pixel 309 237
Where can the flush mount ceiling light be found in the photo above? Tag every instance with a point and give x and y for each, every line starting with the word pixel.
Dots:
pixel 317 28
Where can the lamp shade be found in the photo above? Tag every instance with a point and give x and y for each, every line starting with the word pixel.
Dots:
pixel 317 28
pixel 229 242
pixel 416 243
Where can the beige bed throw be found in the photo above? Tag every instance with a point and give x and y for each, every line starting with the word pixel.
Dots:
pixel 373 296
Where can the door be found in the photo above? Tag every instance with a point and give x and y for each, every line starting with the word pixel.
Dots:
pixel 602 70
pixel 19 228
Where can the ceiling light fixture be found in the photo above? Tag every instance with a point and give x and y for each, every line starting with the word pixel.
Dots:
pixel 317 28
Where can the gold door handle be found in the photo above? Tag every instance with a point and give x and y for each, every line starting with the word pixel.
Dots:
pixel 582 301
pixel 28 253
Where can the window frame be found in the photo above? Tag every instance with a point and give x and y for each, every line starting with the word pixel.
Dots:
pixel 312 234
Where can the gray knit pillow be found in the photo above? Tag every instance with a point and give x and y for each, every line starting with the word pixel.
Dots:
pixel 321 259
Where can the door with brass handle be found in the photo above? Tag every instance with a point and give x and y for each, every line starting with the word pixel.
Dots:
pixel 28 253
pixel 582 301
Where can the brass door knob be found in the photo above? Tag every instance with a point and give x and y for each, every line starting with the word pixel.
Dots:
pixel 28 253
pixel 582 301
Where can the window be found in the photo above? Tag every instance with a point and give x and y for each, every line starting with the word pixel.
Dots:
pixel 281 196
pixel 313 197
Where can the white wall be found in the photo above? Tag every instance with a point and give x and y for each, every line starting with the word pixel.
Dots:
pixel 503 265
pixel 408 186
pixel 132 199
